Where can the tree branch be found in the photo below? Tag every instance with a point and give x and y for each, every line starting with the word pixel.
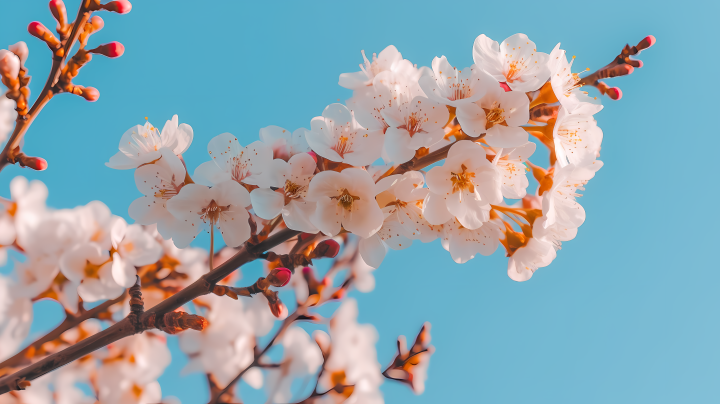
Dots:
pixel 23 122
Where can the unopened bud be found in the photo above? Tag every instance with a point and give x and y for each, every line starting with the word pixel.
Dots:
pixel 313 155
pixel 58 10
pixel 328 248
pixel 505 86
pixel 97 23
pixel 36 163
pixel 21 50
pixel 278 309
pixel 39 31
pixel 9 64
pixel 305 236
pixel 647 42
pixel 279 277
pixel 111 50
pixel 90 93
pixel 614 93
pixel 119 6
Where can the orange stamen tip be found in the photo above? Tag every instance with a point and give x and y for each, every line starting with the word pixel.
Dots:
pixel 614 93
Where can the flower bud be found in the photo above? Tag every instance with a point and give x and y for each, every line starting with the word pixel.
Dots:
pixel 313 155
pixel 279 277
pixel 111 50
pixel 9 64
pixel 119 6
pixel 647 42
pixel 97 23
pixel 21 50
pixel 278 309
pixel 614 93
pixel 328 248
pixel 36 163
pixel 89 93
pixel 39 31
pixel 505 86
pixel 58 10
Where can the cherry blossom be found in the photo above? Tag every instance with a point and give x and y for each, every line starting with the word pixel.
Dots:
pixel 222 206
pixel 9 63
pixel 301 358
pixel 526 260
pixel 284 143
pixel 457 88
pixel 510 163
pixel 337 136
pixel 555 234
pixel 15 318
pixel 498 115
pixel 230 161
pixel 401 204
pixel 412 125
pixel 389 59
pixel 135 248
pixel 566 85
pixel 7 117
pixel 463 187
pixel 577 138
pixel 291 179
pixel 463 243
pixel 559 204
pixel 226 346
pixel 345 200
pixel 159 182
pixel 142 144
pixel 515 61
pixel 89 266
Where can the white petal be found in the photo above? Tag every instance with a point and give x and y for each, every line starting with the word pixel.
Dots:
pixel 372 250
pixel 267 203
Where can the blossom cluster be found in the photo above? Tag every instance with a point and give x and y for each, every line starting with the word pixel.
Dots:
pixel 343 173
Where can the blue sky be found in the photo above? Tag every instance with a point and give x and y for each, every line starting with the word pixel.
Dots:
pixel 627 313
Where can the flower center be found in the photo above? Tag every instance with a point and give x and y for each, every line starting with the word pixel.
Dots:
pixel 413 125
pixel 212 212
pixel 343 146
pixel 494 115
pixel 240 169
pixel 345 199
pixel 292 190
pixel 91 270
pixel 515 70
pixel 459 91
pixel 463 181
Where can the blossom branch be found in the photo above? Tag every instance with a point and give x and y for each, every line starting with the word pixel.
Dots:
pixel 130 325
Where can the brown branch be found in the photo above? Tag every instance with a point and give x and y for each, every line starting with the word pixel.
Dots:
pixel 24 121
pixel 132 325
pixel 71 321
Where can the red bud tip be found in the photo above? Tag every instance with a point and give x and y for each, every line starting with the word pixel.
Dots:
pixel 647 42
pixel 640 63
pixel 36 29
pixel 328 248
pixel 279 277
pixel 90 93
pixel 111 50
pixel 119 6
pixel 313 155
pixel 629 68
pixel 41 164
pixel 57 8
pixel 307 270
pixel 614 93
pixel 505 86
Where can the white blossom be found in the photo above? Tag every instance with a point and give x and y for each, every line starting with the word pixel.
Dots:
pixel 566 85
pixel 515 61
pixel 577 138
pixel 233 162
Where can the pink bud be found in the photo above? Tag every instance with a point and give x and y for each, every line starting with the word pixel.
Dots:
pixel 505 86
pixel 111 50
pixel 279 277
pixel 9 64
pixel 328 248
pixel 37 30
pixel 629 68
pixel 614 93
pixel 647 42
pixel 91 94
pixel 21 50
pixel 313 155
pixel 36 163
pixel 307 270
pixel 58 10
pixel 119 6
